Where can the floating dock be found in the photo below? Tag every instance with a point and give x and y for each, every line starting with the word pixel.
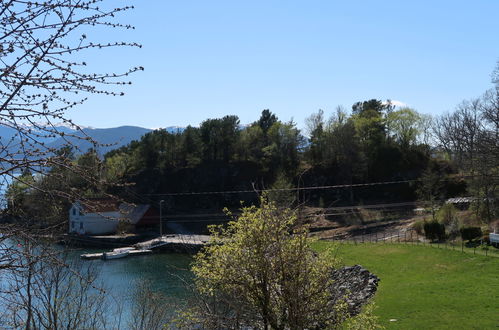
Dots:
pixel 89 256
pixel 175 243
pixel 169 243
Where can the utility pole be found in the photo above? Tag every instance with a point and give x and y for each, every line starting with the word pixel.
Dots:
pixel 161 218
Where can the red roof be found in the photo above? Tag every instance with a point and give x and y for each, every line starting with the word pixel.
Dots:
pixel 99 205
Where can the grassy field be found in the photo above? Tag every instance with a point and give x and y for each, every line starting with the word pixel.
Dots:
pixel 427 288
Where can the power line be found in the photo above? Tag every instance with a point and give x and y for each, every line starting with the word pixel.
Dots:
pixel 353 185
pixel 222 217
pixel 282 189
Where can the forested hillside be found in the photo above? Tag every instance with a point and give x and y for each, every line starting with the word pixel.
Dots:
pixel 375 143
pixel 375 153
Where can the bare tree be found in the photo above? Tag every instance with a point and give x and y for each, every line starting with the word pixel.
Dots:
pixel 43 74
pixel 487 184
pixel 470 135
pixel 150 309
pixel 490 110
pixel 50 290
pixel 457 133
pixel 495 75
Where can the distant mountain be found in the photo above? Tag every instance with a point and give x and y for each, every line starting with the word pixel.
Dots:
pixel 110 138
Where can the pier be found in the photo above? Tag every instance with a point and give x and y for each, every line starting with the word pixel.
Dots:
pixel 166 243
pixel 175 243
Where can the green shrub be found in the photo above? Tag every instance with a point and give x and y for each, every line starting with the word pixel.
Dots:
pixel 418 226
pixel 470 233
pixel 281 192
pixel 447 214
pixel 434 230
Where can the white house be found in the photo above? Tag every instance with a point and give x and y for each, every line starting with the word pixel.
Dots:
pixel 101 216
pixel 99 219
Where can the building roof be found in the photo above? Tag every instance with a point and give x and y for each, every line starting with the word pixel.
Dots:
pixel 133 213
pixel 460 200
pixel 98 205
pixel 464 200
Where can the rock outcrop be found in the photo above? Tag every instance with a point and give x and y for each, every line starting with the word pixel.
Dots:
pixel 355 285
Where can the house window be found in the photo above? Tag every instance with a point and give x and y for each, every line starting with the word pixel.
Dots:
pixel 74 210
pixel 73 225
pixel 81 225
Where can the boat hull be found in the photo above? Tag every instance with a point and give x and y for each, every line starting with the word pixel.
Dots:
pixel 114 255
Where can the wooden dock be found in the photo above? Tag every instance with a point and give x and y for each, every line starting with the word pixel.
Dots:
pixel 177 243
pixel 169 243
pixel 131 253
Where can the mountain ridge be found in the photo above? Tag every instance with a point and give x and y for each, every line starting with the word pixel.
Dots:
pixel 107 138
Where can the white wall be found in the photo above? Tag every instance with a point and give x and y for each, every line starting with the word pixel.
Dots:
pixel 92 223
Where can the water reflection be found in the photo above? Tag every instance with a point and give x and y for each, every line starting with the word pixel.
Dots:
pixel 166 276
pixel 166 272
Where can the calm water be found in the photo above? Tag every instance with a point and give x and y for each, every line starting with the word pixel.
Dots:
pixel 167 273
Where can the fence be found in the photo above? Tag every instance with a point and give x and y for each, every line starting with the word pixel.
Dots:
pixel 411 237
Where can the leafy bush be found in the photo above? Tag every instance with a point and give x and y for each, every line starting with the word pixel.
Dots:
pixel 470 233
pixel 282 196
pixel 418 226
pixel 259 272
pixel 434 230
pixel 447 215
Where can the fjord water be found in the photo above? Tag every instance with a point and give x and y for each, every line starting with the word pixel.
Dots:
pixel 167 274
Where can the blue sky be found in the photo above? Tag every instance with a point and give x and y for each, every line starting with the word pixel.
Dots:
pixel 207 59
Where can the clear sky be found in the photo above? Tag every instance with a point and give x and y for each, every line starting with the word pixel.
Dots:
pixel 206 59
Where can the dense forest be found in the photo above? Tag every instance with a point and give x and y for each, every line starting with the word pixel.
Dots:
pixel 455 154
pixel 375 143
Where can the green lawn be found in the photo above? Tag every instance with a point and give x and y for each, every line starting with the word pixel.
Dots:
pixel 428 288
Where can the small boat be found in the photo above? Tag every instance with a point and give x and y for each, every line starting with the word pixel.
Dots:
pixel 115 255
pixel 124 249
